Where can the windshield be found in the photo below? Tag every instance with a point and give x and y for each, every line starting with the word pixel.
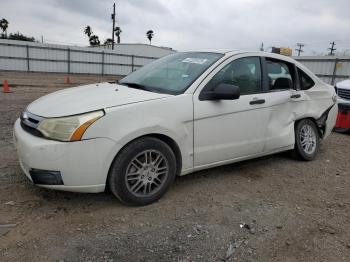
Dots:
pixel 172 74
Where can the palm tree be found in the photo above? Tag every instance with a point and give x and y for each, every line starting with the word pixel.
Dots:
pixel 150 35
pixel 94 41
pixel 118 31
pixel 108 42
pixel 4 24
pixel 88 31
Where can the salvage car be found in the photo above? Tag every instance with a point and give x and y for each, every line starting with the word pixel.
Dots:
pixel 343 119
pixel 182 113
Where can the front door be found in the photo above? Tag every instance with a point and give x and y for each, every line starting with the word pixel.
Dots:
pixel 230 129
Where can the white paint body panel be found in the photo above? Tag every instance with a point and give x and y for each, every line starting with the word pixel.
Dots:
pixel 82 164
pixel 208 133
pixel 346 86
pixel 78 100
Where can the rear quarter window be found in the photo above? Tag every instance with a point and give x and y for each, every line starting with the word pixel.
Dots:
pixel 305 81
pixel 281 74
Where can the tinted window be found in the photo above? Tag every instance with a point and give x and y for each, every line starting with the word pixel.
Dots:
pixel 243 72
pixel 305 81
pixel 279 75
pixel 171 74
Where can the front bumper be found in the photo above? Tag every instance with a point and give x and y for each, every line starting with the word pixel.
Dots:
pixel 82 165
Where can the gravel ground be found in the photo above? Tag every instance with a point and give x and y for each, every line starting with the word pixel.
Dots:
pixel 268 209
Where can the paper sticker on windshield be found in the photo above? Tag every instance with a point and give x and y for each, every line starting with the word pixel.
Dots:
pixel 191 60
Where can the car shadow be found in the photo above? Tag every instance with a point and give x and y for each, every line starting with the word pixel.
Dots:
pixel 108 199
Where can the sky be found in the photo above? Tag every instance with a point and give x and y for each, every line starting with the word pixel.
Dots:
pixel 188 24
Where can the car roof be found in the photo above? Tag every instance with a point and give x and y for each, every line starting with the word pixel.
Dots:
pixel 232 52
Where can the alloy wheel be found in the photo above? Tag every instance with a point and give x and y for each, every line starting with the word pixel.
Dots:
pixel 146 173
pixel 308 139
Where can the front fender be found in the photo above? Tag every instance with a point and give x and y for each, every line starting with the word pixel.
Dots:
pixel 171 117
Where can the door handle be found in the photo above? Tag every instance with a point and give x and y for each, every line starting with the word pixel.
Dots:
pixel 257 102
pixel 295 96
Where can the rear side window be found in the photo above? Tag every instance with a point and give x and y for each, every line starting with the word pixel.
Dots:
pixel 280 75
pixel 305 81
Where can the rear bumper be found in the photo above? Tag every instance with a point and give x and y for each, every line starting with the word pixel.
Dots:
pixel 82 166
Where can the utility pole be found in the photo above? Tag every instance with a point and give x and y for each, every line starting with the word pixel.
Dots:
pixel 113 18
pixel 332 48
pixel 299 50
pixel 262 46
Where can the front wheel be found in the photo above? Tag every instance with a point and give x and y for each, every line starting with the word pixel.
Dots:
pixel 142 172
pixel 307 140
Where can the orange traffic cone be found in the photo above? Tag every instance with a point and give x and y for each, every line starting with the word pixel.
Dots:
pixel 5 87
pixel 67 80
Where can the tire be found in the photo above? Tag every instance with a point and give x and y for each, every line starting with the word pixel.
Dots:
pixel 142 172
pixel 307 140
pixel 342 130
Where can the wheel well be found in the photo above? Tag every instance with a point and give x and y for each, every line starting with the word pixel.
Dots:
pixel 169 141
pixel 320 129
pixel 174 146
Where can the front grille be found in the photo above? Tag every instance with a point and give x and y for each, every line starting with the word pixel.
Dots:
pixel 344 93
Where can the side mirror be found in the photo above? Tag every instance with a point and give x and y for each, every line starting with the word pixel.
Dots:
pixel 221 92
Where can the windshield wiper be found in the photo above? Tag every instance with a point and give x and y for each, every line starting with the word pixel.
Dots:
pixel 135 85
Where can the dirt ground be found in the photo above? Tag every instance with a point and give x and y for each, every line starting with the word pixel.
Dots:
pixel 268 209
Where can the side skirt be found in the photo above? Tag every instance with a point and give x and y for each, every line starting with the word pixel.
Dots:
pixel 235 160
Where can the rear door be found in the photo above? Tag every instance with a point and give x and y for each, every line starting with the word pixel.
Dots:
pixel 284 96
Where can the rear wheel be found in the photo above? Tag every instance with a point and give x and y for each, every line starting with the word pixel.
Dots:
pixel 307 140
pixel 143 171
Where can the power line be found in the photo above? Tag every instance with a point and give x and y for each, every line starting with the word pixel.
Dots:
pixel 332 48
pixel 299 50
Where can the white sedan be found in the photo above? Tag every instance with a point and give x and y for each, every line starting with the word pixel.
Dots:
pixel 182 113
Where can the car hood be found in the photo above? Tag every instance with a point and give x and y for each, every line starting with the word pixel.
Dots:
pixel 344 84
pixel 88 98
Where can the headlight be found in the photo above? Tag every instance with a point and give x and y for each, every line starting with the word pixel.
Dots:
pixel 70 128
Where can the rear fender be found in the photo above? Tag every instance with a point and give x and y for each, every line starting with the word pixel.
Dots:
pixel 326 121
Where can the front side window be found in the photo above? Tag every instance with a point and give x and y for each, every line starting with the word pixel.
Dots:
pixel 243 72
pixel 279 75
pixel 305 81
pixel 172 74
